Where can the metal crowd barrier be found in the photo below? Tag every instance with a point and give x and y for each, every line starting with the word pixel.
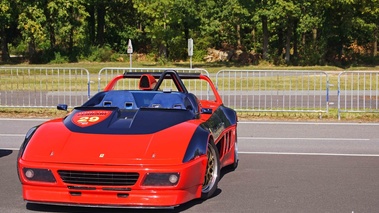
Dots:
pixel 43 86
pixel 243 90
pixel 358 91
pixel 274 90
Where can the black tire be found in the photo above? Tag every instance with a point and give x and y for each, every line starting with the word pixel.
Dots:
pixel 212 173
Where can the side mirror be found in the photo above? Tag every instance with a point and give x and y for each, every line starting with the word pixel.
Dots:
pixel 63 107
pixel 206 111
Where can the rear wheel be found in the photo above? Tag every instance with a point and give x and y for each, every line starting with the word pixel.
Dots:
pixel 212 173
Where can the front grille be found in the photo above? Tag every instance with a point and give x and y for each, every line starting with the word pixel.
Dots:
pixel 99 178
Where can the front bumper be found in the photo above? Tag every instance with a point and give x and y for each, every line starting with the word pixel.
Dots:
pixel 188 187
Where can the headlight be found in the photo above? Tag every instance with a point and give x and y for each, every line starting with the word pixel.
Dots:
pixel 161 179
pixel 41 175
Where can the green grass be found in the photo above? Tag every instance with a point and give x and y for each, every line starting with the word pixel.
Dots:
pixel 272 83
pixel 331 116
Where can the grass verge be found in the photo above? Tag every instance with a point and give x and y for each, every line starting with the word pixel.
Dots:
pixel 331 116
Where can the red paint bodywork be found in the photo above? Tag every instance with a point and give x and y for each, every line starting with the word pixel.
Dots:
pixel 54 147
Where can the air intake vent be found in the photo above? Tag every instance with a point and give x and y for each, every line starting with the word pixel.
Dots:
pixel 99 178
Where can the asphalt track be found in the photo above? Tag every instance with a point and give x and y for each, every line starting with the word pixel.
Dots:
pixel 284 167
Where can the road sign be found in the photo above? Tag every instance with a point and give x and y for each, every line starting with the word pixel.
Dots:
pixel 130 47
pixel 190 47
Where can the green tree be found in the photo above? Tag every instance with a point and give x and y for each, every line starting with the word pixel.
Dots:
pixel 49 26
pixel 68 32
pixel 337 28
pixel 123 23
pixel 368 22
pixel 158 16
pixel 260 22
pixel 31 24
pixel 222 22
pixel 96 10
pixel 5 20
pixel 293 31
pixel 283 17
pixel 168 24
pixel 310 23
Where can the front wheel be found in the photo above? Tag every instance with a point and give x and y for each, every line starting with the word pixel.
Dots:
pixel 212 173
pixel 235 162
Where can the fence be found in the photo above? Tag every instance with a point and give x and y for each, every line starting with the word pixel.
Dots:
pixel 43 87
pixel 273 90
pixel 243 90
pixel 358 91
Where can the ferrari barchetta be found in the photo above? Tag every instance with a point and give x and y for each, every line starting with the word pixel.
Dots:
pixel 149 147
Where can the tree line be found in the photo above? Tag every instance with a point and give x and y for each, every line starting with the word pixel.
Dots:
pixel 291 32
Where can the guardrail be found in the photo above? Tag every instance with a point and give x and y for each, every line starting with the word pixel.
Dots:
pixel 358 91
pixel 43 86
pixel 274 90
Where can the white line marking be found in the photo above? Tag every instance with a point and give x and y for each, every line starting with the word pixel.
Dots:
pixel 13 149
pixel 280 153
pixel 307 123
pixel 310 154
pixel 23 119
pixel 314 139
pixel 12 135
pixel 240 122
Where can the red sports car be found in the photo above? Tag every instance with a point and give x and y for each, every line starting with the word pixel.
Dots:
pixel 146 147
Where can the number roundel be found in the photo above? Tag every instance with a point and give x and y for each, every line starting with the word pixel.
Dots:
pixel 89 118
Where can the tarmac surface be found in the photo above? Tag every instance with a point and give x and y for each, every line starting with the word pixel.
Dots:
pixel 284 167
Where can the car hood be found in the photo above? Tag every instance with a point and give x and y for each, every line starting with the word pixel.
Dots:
pixel 53 142
pixel 111 120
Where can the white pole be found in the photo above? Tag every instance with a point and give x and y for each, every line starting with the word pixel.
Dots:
pixel 130 59
pixel 190 50
pixel 130 52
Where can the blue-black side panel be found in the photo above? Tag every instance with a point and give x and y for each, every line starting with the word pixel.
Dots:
pixel 227 115
pixel 221 119
pixel 197 145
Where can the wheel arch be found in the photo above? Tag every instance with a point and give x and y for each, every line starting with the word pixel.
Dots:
pixel 198 144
